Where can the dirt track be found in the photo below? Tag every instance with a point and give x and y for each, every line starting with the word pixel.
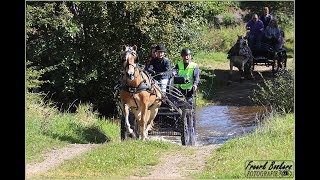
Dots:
pixel 55 157
pixel 178 165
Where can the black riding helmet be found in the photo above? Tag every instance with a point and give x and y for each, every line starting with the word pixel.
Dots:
pixel 161 48
pixel 185 51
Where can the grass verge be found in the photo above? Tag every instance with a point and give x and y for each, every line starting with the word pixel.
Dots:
pixel 48 129
pixel 273 140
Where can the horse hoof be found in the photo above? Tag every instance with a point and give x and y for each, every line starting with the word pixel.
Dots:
pixel 132 135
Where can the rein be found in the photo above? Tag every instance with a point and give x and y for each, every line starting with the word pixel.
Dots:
pixel 142 85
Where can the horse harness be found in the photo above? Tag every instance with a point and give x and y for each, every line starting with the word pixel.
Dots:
pixel 143 86
pixel 248 52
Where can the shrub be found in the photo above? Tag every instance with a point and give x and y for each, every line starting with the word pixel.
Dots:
pixel 34 74
pixel 229 20
pixel 277 93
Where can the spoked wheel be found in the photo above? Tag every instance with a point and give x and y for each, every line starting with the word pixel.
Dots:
pixel 188 130
pixel 192 127
pixel 123 130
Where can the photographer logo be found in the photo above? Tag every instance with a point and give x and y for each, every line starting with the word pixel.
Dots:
pixel 269 168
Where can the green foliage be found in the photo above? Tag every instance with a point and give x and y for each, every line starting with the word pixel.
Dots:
pixel 214 8
pixel 229 20
pixel 220 40
pixel 33 75
pixel 82 40
pixel 285 21
pixel 274 6
pixel 277 93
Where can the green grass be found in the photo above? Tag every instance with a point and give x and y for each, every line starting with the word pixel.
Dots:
pixel 208 62
pixel 204 58
pixel 221 39
pixel 289 43
pixel 274 140
pixel 48 129
pixel 116 159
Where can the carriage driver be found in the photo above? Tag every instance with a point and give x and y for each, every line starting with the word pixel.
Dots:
pixel 190 71
pixel 159 67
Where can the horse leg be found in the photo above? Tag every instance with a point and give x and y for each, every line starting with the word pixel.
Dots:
pixel 126 115
pixel 251 69
pixel 153 113
pixel 248 69
pixel 230 72
pixel 143 122
pixel 241 69
pixel 137 116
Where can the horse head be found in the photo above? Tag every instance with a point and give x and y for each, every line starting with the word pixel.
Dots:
pixel 242 58
pixel 129 59
pixel 242 41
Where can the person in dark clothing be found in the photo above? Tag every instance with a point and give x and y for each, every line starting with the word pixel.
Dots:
pixel 190 71
pixel 152 55
pixel 266 17
pixel 159 67
pixel 255 29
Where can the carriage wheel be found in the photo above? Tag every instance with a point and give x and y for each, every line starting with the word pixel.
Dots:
pixel 123 130
pixel 192 128
pixel 188 131
pixel 184 129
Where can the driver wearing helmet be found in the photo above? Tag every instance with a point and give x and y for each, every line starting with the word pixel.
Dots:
pixel 191 73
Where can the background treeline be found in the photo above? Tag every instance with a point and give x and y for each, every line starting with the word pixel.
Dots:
pixel 72 48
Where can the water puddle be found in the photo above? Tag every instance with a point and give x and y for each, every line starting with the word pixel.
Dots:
pixel 217 124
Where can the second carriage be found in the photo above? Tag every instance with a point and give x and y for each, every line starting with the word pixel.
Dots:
pixel 266 54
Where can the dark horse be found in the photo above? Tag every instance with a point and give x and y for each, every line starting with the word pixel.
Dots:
pixel 138 93
pixel 241 57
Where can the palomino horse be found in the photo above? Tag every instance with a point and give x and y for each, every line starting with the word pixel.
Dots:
pixel 241 57
pixel 138 93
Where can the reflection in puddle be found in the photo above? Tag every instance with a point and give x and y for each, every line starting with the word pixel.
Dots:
pixel 217 124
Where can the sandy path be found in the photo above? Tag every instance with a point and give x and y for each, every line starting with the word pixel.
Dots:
pixel 177 165
pixel 58 156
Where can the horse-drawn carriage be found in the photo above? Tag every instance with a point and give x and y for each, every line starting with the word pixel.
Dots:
pixel 246 56
pixel 175 117
pixel 267 54
pixel 145 110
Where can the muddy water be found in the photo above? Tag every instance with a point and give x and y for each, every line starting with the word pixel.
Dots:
pixel 217 124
